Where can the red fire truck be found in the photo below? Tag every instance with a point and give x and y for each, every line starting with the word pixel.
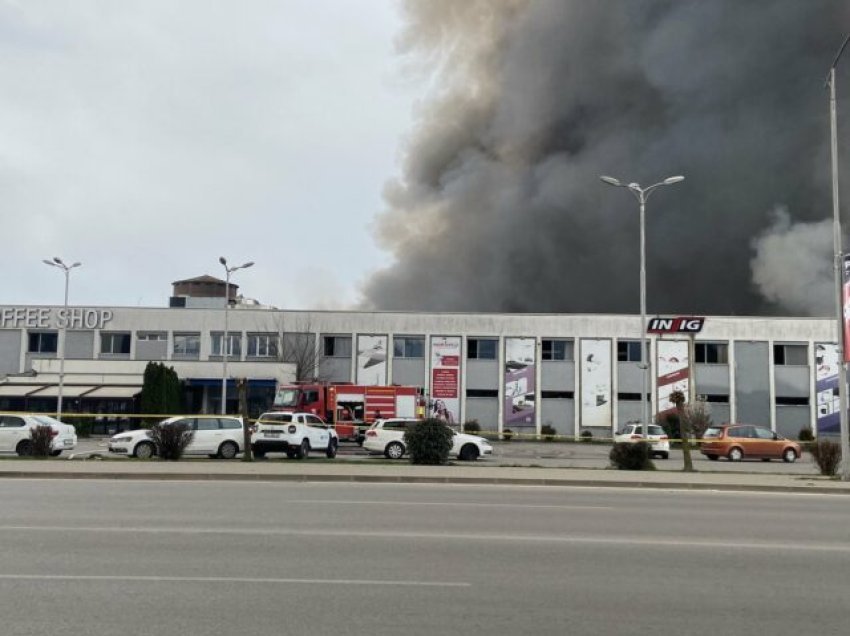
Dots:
pixel 351 408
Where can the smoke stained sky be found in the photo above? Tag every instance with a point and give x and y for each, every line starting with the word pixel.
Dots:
pixel 498 205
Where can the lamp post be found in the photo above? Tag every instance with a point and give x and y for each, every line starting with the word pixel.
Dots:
pixel 839 270
pixel 642 195
pixel 59 263
pixel 225 345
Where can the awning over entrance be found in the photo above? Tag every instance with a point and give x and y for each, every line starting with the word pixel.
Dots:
pixel 114 392
pixel 231 382
pixel 67 391
pixel 19 390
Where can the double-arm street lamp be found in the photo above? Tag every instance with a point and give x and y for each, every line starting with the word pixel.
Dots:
pixel 59 263
pixel 839 271
pixel 225 344
pixel 642 194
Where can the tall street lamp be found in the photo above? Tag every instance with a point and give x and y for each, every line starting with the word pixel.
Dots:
pixel 642 194
pixel 839 270
pixel 225 346
pixel 58 263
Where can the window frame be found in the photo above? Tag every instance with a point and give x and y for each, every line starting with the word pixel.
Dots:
pixel 473 348
pixel 40 337
pixel 270 345
pixel 122 337
pixel 404 352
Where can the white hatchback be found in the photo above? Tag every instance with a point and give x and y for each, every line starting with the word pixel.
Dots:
pixel 16 433
pixel 658 441
pixel 219 436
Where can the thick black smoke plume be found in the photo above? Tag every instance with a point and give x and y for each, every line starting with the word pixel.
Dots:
pixel 499 206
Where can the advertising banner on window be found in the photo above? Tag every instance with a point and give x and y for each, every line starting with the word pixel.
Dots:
pixel 826 388
pixel 846 307
pixel 372 360
pixel 596 407
pixel 520 368
pixel 673 371
pixel 445 379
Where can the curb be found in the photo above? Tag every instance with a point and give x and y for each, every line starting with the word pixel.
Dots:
pixel 398 479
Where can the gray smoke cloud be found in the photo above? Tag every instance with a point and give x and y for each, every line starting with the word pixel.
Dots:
pixel 498 205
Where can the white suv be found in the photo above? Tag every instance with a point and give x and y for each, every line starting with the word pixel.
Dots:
pixel 658 442
pixel 215 436
pixel 387 437
pixel 16 433
pixel 295 434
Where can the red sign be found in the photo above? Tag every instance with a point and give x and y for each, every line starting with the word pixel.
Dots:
pixel 444 383
pixel 450 361
pixel 846 308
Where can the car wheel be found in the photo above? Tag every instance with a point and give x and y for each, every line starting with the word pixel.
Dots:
pixel 24 448
pixel 469 453
pixel 789 456
pixel 735 454
pixel 228 450
pixel 330 453
pixel 394 450
pixel 765 459
pixel 143 450
pixel 291 453
pixel 664 455
pixel 712 457
pixel 55 453
pixel 258 454
pixel 303 451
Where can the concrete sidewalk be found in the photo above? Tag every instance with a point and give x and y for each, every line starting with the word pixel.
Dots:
pixel 325 471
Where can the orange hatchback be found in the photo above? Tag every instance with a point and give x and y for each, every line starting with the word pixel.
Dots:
pixel 739 441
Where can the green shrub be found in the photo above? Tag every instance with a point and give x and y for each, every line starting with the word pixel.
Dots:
pixel 586 436
pixel 83 426
pixel 548 432
pixel 472 426
pixel 806 435
pixel 428 442
pixel 827 455
pixel 171 439
pixel 42 441
pixel 631 456
pixel 507 434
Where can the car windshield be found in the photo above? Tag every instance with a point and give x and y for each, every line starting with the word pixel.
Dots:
pixel 713 432
pixel 273 418
pixel 655 430
pixel 46 420
pixel 286 397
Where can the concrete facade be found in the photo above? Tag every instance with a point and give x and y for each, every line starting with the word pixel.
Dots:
pixel 746 385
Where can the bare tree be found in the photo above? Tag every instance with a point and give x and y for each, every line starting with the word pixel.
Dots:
pixel 678 399
pixel 299 346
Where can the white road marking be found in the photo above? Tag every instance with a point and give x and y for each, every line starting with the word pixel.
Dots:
pixel 224 579
pixel 458 504
pixel 614 541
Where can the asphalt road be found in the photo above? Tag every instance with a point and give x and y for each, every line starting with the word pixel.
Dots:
pixel 213 558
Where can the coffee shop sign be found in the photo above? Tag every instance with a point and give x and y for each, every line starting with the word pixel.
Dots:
pixel 48 318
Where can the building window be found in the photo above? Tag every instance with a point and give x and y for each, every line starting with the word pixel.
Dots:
pixel 714 398
pixel 115 343
pixel 556 395
pixel 481 348
pixel 43 342
pixel 187 344
pixel 628 351
pixel 482 393
pixel 790 355
pixel 557 349
pixel 262 345
pixel 711 353
pixel 234 344
pixel 337 346
pixel 152 336
pixel 630 397
pixel 409 347
pixel 792 401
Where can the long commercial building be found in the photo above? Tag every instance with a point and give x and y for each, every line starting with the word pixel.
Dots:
pixel 516 371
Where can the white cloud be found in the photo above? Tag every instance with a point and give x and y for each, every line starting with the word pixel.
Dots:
pixel 147 138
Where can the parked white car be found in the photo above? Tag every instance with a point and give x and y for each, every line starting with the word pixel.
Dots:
pixel 15 433
pixel 215 436
pixel 387 437
pixel 658 442
pixel 295 434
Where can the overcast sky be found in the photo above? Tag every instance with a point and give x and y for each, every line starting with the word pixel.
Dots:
pixel 147 138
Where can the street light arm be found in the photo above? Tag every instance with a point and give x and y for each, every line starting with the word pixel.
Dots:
pixel 835 61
